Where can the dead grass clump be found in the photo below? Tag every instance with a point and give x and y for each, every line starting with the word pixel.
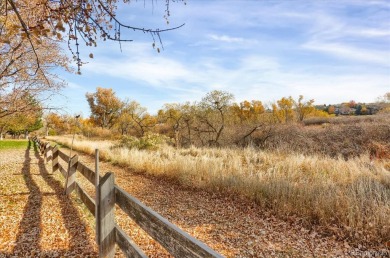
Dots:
pixel 316 121
pixel 379 151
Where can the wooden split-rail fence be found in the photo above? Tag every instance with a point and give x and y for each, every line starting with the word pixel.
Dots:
pixel 107 196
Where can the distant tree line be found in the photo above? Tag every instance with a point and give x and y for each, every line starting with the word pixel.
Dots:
pixel 213 121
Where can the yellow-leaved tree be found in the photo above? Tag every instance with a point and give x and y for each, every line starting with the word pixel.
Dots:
pixel 20 73
pixel 136 117
pixel 105 107
pixel 31 32
pixel 303 108
pixel 283 110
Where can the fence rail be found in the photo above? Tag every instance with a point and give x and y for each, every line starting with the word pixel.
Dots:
pixel 108 194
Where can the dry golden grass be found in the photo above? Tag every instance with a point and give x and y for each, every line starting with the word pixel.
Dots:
pixel 352 194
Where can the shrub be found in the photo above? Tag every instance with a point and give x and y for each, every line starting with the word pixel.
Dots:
pixel 52 132
pixel 345 137
pixel 97 132
pixel 150 141
pixel 316 121
pixel 379 151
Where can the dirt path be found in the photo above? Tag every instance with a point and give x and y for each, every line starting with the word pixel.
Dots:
pixel 36 219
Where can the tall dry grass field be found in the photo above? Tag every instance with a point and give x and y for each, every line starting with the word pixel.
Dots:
pixel 350 194
pixel 345 137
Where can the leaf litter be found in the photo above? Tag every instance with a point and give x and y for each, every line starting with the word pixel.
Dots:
pixel 37 220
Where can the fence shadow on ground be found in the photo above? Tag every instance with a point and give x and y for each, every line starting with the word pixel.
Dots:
pixel 29 233
pixel 108 196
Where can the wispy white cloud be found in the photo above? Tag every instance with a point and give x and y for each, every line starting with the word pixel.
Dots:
pixel 348 37
pixel 75 86
pixel 351 52
pixel 225 38
pixel 156 71
pixel 257 50
pixel 253 77
pixel 370 32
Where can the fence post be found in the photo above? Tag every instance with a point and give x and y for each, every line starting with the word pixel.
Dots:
pixel 97 217
pixel 71 178
pixel 43 152
pixel 106 216
pixel 42 147
pixel 54 161
pixel 47 150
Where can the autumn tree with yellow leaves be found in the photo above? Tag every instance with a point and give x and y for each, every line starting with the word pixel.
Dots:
pixel 31 32
pixel 247 111
pixel 173 116
pixel 179 120
pixel 303 108
pixel 18 123
pixel 55 124
pixel 286 109
pixel 105 107
pixel 283 110
pixel 20 73
pixel 135 117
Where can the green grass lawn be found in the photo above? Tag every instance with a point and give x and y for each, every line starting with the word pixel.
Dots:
pixel 12 144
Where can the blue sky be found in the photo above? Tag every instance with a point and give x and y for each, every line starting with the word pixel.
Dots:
pixel 329 51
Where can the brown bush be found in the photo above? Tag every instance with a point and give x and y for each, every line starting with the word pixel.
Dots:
pixel 316 121
pixel 100 133
pixel 379 151
pixel 335 139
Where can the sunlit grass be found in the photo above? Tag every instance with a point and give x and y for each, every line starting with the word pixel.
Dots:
pixel 11 144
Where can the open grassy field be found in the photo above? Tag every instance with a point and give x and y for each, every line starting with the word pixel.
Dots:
pixel 352 194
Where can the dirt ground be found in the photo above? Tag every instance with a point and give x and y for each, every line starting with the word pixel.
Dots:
pixel 38 220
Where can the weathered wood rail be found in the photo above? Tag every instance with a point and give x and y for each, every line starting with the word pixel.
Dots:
pixel 108 195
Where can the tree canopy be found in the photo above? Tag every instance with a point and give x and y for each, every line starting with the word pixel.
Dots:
pixel 31 33
pixel 105 107
pixel 17 123
pixel 76 21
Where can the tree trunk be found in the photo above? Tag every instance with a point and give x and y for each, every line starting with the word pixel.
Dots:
pixel 189 132
pixel 177 139
pixel 2 129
